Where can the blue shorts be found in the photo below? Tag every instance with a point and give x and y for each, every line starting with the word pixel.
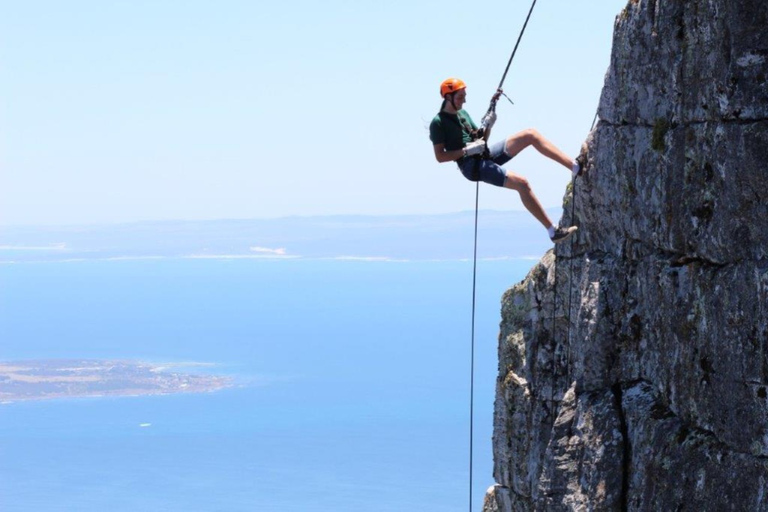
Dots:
pixel 488 171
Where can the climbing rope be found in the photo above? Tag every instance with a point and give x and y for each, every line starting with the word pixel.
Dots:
pixel 570 294
pixel 491 108
pixel 472 358
pixel 568 311
pixel 570 286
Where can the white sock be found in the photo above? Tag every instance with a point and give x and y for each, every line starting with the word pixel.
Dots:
pixel 575 167
pixel 551 231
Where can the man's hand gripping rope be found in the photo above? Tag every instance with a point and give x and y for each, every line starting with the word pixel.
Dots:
pixel 480 146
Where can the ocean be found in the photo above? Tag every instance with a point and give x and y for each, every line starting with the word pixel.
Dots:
pixel 351 384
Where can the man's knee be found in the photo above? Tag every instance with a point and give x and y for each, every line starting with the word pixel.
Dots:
pixel 517 183
pixel 520 140
pixel 531 135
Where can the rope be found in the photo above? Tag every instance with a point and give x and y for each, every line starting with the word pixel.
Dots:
pixel 492 107
pixel 570 290
pixel 570 294
pixel 570 286
pixel 517 44
pixel 472 364
pixel 554 337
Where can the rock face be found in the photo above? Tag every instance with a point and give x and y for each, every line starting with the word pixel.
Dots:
pixel 633 364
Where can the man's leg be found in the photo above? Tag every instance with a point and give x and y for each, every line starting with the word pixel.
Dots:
pixel 532 204
pixel 519 141
pixel 521 185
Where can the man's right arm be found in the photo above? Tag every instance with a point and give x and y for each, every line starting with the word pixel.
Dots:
pixel 442 155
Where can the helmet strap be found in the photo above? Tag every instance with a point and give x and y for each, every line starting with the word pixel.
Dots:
pixel 450 98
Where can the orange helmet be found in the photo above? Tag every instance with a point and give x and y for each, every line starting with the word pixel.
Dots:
pixel 451 85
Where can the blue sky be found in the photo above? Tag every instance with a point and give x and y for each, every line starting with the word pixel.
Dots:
pixel 119 111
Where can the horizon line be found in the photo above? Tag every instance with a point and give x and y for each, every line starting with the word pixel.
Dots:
pixel 258 219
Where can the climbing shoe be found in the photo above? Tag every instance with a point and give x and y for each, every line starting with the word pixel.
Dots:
pixel 581 162
pixel 563 233
pixel 581 165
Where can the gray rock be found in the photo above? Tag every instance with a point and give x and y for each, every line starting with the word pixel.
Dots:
pixel 633 362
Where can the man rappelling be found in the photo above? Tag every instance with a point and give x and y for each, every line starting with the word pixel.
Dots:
pixel 456 138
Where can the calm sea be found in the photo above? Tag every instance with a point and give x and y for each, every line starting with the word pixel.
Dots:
pixel 352 385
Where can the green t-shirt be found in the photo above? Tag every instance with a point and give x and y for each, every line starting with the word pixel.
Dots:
pixel 449 129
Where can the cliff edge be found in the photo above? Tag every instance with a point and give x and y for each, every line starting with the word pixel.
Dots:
pixel 633 363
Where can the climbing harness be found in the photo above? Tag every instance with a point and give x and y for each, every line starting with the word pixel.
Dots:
pixel 491 108
pixel 462 123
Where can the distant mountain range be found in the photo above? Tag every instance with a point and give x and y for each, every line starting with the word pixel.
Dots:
pixel 501 234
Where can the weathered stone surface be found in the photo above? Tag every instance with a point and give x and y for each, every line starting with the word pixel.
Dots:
pixel 633 364
pixel 674 466
pixel 687 61
pixel 582 465
pixel 701 196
